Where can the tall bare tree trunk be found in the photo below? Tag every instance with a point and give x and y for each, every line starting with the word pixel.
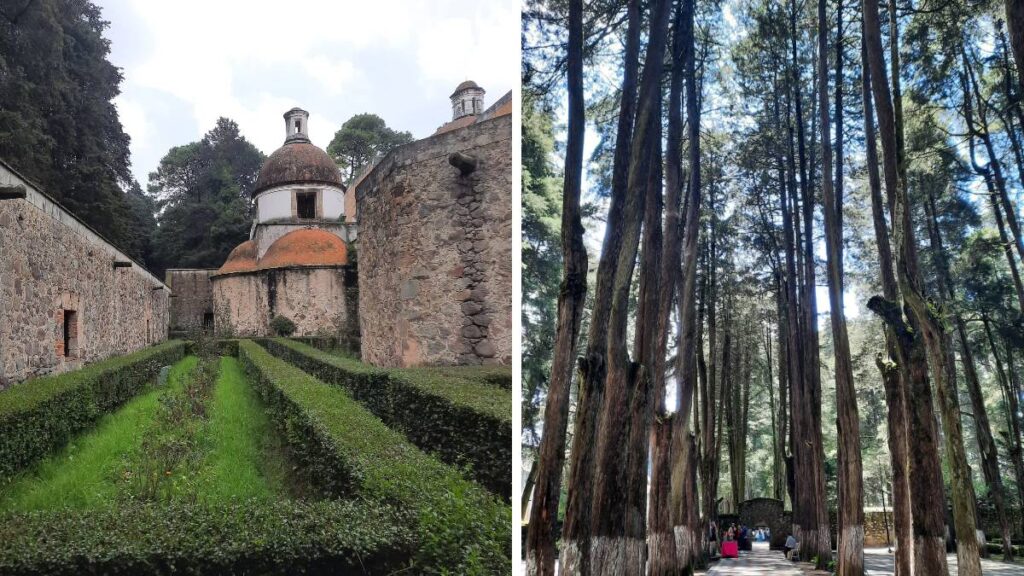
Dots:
pixel 684 450
pixel 617 541
pixel 892 373
pixel 576 530
pixel 1015 25
pixel 925 471
pixel 983 432
pixel 1011 388
pixel 663 557
pixel 851 491
pixel 540 540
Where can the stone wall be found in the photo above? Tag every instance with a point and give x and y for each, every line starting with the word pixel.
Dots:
pixel 767 512
pixel 54 268
pixel 318 300
pixel 191 298
pixel 435 251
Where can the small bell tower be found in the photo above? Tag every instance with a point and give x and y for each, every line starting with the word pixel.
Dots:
pixel 296 124
pixel 467 100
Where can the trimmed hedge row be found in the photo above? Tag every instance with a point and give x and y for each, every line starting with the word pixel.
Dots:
pixel 462 422
pixel 326 537
pixel 459 528
pixel 41 415
pixel 493 375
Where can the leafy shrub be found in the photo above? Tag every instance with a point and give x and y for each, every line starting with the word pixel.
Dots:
pixel 459 527
pixel 282 326
pixel 40 415
pixel 493 375
pixel 463 422
pixel 250 537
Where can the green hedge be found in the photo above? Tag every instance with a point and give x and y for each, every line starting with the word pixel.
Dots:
pixel 459 528
pixel 462 422
pixel 40 415
pixel 493 375
pixel 326 537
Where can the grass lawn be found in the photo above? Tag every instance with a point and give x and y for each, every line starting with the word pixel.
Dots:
pixel 228 452
pixel 241 459
pixel 85 473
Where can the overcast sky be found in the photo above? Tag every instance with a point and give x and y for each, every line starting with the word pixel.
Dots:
pixel 187 62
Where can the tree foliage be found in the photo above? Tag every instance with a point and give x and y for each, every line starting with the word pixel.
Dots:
pixel 362 138
pixel 58 122
pixel 202 192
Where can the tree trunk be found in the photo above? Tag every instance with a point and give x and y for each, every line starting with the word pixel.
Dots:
pixel 684 449
pixel 851 492
pixel 617 542
pixel 540 541
pixel 664 558
pixel 925 471
pixel 531 481
pixel 1015 25
pixel 576 530
pixel 1011 388
pixel 983 432
pixel 892 373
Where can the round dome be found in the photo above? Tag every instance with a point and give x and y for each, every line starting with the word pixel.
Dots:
pixel 305 247
pixel 465 86
pixel 241 259
pixel 297 162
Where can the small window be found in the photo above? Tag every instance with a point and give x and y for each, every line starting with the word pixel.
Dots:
pixel 208 320
pixel 298 126
pixel 305 205
pixel 70 333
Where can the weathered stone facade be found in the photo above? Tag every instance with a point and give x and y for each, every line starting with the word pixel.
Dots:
pixel 67 296
pixel 435 249
pixel 315 299
pixel 191 298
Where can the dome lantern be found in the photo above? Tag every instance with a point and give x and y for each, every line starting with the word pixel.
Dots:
pixel 467 100
pixel 296 124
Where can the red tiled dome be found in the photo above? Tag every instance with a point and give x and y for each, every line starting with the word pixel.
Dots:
pixel 297 161
pixel 305 247
pixel 241 259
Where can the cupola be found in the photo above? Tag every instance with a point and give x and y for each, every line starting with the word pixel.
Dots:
pixel 467 100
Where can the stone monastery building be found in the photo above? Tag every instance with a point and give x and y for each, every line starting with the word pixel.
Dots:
pixel 411 264
pixel 431 285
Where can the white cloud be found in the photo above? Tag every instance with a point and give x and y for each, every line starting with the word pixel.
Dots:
pixel 252 61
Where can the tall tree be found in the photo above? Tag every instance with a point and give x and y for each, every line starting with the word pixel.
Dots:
pixel 58 122
pixel 925 472
pixel 851 491
pixel 203 192
pixel 362 138
pixel 576 531
pixel 540 543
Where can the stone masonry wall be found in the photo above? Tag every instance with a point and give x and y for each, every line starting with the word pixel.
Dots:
pixel 435 251
pixel 53 266
pixel 192 297
pixel 314 298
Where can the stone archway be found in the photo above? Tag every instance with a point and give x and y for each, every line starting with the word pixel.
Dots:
pixel 766 512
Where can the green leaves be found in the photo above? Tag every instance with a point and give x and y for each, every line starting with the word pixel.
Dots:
pixel 40 415
pixel 459 527
pixel 362 138
pixel 203 190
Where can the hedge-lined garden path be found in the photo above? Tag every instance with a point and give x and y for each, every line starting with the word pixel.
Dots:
pixel 83 474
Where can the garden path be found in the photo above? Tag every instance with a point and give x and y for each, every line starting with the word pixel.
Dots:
pixel 758 562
